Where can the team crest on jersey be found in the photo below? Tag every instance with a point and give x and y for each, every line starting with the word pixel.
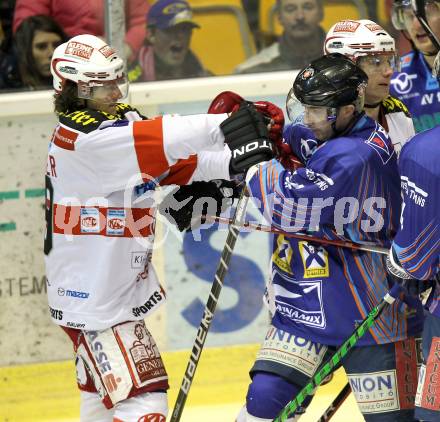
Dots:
pixel 314 259
pixel 282 255
pixel 89 220
pixel 302 302
pixel 378 140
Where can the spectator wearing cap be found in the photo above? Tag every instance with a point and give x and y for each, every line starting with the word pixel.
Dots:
pixel 299 44
pixel 166 53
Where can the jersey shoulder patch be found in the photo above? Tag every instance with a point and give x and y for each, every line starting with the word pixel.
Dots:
pixel 394 105
pixel 407 59
pixel 86 120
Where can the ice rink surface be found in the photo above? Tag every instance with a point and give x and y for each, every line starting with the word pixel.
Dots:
pixel 47 392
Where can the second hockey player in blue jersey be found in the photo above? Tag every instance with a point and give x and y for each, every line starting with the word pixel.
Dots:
pixel 415 252
pixel 349 189
pixel 414 84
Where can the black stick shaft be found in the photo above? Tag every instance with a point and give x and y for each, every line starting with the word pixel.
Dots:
pixel 210 306
pixel 336 404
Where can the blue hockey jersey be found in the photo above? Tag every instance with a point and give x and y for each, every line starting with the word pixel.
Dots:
pixel 417 242
pixel 418 89
pixel 348 190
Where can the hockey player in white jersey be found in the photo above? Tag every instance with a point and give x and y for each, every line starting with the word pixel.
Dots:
pixel 104 162
pixel 374 51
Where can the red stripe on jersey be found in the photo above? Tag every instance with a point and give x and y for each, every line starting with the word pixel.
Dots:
pixel 102 221
pixel 148 144
pixel 65 138
pixel 181 172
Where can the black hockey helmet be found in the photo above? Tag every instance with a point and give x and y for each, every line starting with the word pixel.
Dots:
pixel 332 81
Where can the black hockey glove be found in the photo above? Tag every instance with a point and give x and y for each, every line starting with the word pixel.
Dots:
pixel 187 206
pixel 247 136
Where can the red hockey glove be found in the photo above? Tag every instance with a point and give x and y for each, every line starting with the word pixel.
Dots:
pixel 276 116
pixel 225 102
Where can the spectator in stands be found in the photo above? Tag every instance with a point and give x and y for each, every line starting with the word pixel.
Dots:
pixel 34 42
pixel 300 42
pixel 166 53
pixel 87 17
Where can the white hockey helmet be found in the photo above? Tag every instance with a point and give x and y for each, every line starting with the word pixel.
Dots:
pixel 357 38
pixel 89 62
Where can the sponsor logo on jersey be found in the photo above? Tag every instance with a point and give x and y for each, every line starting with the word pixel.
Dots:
pixel 73 293
pixel 149 304
pixel 292 351
pixel 146 356
pixel 282 255
pixel 413 192
pixel 56 314
pixel 378 140
pixel 65 138
pixel 406 61
pixel 78 325
pixel 375 392
pixel 302 302
pixel 346 26
pixel 403 82
pixel 319 179
pixel 314 259
pixel 89 220
pixel 115 222
pixel 79 49
pixel 139 259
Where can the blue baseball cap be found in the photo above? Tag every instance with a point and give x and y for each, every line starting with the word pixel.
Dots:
pixel 167 13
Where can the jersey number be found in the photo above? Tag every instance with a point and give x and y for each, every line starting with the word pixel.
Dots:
pixel 49 216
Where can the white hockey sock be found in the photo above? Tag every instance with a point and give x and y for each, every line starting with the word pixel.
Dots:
pixel 134 408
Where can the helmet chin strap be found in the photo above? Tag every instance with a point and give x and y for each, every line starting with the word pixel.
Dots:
pixel 341 132
pixel 374 105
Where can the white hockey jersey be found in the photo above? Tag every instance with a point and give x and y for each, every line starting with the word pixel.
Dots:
pixel 396 119
pixel 100 179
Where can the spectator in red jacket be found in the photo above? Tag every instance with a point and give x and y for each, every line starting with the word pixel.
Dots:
pixel 78 17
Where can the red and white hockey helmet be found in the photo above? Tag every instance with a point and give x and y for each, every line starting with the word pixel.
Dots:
pixel 357 38
pixel 89 62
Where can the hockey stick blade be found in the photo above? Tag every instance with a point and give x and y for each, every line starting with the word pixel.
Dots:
pixel 331 363
pixel 210 306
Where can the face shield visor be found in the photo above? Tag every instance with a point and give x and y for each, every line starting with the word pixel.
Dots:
pixel 379 62
pixel 104 91
pixel 403 14
pixel 318 119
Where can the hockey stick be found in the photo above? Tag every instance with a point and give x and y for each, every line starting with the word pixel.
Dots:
pixel 210 306
pixel 268 229
pixel 331 363
pixel 335 404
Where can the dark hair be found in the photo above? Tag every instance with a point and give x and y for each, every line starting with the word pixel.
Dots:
pixel 23 43
pixel 67 100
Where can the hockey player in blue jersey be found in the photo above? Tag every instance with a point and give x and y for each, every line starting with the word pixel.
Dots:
pixel 414 84
pixel 415 251
pixel 348 189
